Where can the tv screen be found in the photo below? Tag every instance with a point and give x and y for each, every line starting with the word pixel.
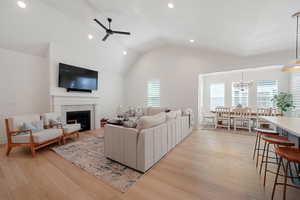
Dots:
pixel 72 77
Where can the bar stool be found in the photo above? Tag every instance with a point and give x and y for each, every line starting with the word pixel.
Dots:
pixel 259 133
pixel 290 155
pixel 277 141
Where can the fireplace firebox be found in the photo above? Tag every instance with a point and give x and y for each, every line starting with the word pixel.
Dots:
pixel 82 117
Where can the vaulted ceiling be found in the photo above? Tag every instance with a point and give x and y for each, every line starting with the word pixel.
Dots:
pixel 238 27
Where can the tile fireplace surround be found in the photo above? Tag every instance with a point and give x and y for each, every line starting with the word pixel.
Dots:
pixel 63 104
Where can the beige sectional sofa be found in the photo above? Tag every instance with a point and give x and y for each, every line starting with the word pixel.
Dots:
pixel 155 135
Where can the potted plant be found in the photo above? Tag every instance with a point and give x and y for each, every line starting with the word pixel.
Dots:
pixel 284 102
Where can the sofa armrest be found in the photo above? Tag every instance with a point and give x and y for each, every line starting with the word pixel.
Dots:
pixel 120 144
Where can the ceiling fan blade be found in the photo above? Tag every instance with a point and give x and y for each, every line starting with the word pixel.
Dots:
pixel 105 37
pixel 96 20
pixel 121 32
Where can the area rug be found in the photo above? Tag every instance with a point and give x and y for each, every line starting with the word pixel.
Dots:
pixel 88 154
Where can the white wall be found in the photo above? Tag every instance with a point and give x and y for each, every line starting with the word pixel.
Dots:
pixel 23 85
pixel 110 89
pixel 264 73
pixel 178 69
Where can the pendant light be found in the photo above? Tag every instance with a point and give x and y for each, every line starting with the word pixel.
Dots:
pixel 296 65
pixel 242 84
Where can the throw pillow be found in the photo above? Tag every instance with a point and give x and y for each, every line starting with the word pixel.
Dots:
pixel 151 121
pixel 34 126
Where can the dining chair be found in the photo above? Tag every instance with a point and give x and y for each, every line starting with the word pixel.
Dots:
pixel 242 119
pixel 261 123
pixel 223 117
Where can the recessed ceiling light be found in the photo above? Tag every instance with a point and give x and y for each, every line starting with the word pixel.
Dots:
pixel 192 41
pixel 124 52
pixel 90 36
pixel 170 5
pixel 21 4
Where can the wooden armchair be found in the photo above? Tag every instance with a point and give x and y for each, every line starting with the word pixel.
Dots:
pixel 34 140
pixel 69 130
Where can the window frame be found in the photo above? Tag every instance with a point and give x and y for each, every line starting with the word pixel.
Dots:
pixel 153 93
pixel 259 103
pixel 211 105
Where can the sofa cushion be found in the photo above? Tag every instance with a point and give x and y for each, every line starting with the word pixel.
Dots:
pixel 38 137
pixel 70 128
pixel 155 111
pixel 178 113
pixel 171 115
pixel 151 121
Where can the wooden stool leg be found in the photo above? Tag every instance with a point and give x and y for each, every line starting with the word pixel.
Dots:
pixel 32 151
pixel 8 150
pixel 276 178
pixel 263 157
pixel 258 147
pixel 266 164
pixel 255 146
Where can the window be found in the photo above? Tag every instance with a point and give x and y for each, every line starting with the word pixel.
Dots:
pixel 239 96
pixel 217 92
pixel 295 89
pixel 153 98
pixel 265 91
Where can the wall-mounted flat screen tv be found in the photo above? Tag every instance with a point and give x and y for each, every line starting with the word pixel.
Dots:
pixel 77 78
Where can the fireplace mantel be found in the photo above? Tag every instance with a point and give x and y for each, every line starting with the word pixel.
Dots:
pixel 76 95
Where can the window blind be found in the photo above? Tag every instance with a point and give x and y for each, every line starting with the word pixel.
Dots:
pixel 295 89
pixel 265 91
pixel 153 98
pixel 217 95
pixel 239 96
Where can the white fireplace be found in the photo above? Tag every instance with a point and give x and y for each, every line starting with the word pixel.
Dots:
pixel 63 104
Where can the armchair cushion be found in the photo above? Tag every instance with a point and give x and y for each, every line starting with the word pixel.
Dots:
pixel 18 121
pixel 70 128
pixel 38 137
pixel 51 118
pixel 34 126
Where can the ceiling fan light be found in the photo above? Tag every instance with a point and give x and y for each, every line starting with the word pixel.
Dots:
pixel 90 36
pixel 21 4
pixel 170 5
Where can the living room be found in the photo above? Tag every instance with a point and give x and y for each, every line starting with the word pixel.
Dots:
pixel 142 74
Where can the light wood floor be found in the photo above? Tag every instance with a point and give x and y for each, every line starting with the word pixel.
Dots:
pixel 207 165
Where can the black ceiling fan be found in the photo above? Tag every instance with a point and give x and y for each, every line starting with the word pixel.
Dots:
pixel 108 30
